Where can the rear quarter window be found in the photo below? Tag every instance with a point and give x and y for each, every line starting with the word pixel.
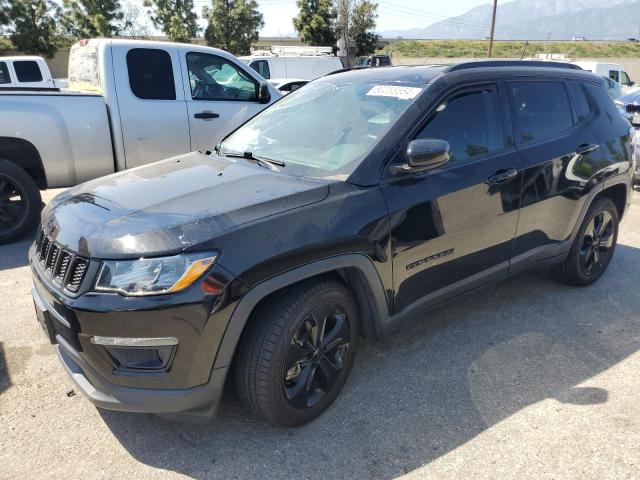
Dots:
pixel 541 109
pixel 27 71
pixel 151 74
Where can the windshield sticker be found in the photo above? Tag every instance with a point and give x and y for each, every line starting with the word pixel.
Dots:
pixel 403 93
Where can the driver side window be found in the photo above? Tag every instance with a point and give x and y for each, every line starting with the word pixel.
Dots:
pixel 215 78
pixel 470 120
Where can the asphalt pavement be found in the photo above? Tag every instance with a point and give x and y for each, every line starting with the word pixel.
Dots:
pixel 527 378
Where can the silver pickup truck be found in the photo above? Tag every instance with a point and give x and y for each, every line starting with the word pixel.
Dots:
pixel 129 103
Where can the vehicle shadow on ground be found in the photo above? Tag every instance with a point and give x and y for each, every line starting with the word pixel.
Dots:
pixel 14 255
pixel 427 390
pixel 5 381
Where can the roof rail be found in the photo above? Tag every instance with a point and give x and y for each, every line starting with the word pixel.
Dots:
pixel 511 63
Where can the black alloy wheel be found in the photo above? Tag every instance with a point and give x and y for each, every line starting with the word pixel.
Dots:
pixel 593 246
pixel 316 355
pixel 20 202
pixel 597 243
pixel 297 351
pixel 14 206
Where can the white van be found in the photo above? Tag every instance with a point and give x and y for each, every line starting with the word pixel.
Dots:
pixel 282 62
pixel 609 70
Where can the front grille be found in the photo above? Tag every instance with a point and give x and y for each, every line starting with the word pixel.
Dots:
pixel 62 266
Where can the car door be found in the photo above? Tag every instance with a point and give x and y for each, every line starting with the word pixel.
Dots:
pixel 559 152
pixel 221 96
pixel 153 114
pixel 452 228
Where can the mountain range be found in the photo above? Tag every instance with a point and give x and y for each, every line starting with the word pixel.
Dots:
pixel 534 20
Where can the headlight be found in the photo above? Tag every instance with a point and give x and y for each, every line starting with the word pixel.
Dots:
pixel 152 276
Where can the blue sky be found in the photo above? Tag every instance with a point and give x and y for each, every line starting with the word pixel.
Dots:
pixel 392 14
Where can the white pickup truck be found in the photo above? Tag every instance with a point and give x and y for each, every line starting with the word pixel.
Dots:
pixel 128 103
pixel 27 72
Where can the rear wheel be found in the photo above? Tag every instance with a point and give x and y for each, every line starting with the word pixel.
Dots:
pixel 593 247
pixel 297 353
pixel 20 202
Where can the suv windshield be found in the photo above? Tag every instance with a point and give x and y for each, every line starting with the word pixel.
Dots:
pixel 324 129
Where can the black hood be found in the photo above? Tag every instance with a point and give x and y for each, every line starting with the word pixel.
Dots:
pixel 170 205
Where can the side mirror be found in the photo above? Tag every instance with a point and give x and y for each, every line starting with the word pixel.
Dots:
pixel 423 155
pixel 264 96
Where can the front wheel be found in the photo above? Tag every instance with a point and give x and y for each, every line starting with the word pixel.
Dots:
pixel 593 247
pixel 297 352
pixel 20 202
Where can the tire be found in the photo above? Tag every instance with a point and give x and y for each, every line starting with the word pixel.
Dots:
pixel 272 376
pixel 20 202
pixel 587 262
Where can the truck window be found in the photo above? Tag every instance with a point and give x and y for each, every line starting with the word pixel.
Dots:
pixel 624 79
pixel 613 75
pixel 151 74
pixel 541 109
pixel 27 71
pixel 4 73
pixel 215 78
pixel 262 67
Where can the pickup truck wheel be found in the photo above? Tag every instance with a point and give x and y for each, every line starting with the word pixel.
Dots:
pixel 20 202
pixel 593 247
pixel 297 353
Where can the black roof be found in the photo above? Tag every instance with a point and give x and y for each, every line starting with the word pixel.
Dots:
pixel 421 74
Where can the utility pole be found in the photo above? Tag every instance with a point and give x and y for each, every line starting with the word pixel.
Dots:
pixel 493 26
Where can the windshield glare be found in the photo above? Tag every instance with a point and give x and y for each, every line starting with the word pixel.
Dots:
pixel 324 129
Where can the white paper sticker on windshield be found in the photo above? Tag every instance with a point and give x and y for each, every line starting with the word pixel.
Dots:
pixel 403 93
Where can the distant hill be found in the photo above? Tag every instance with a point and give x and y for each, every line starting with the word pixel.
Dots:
pixel 538 19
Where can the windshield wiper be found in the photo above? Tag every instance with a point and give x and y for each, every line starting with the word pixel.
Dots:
pixel 262 161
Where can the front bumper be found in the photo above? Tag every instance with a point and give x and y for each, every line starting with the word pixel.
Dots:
pixel 188 389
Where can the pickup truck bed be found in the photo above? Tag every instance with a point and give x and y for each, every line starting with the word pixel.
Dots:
pixel 69 126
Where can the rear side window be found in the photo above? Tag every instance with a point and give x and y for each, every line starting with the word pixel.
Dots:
pixel 151 74
pixel 470 121
pixel 27 71
pixel 262 67
pixel 582 103
pixel 4 73
pixel 541 109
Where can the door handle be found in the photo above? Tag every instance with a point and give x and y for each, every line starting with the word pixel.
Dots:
pixel 206 115
pixel 502 176
pixel 586 148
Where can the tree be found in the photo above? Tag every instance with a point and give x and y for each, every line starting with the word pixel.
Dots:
pixel 355 20
pixel 175 18
pixel 92 18
pixel 363 21
pixel 33 26
pixel 233 25
pixel 315 22
pixel 131 24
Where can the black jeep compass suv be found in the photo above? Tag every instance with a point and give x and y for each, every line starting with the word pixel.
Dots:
pixel 337 213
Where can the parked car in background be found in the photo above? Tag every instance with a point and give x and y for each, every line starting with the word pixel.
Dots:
pixel 284 63
pixel 288 86
pixel 27 72
pixel 340 211
pixel 609 70
pixel 629 107
pixel 130 102
pixel 376 61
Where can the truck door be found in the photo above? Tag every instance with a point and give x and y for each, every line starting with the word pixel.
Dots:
pixel 153 112
pixel 221 95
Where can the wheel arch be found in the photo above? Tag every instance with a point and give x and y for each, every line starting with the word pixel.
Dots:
pixel 617 193
pixel 355 270
pixel 24 154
